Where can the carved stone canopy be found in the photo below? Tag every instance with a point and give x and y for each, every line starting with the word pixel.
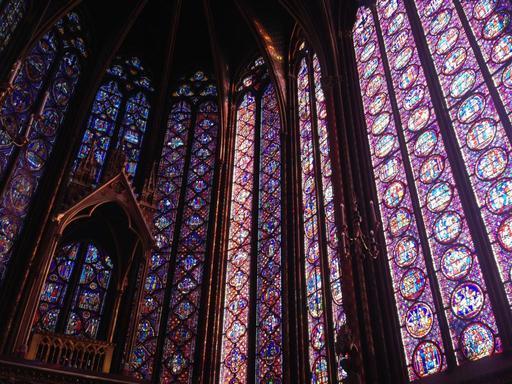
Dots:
pixel 117 190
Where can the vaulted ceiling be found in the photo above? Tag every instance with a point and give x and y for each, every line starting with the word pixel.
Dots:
pixel 219 36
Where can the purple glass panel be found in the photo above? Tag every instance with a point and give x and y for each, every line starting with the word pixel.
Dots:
pixel 463 291
pixel 269 334
pixel 236 308
pixel 133 128
pixel 331 230
pixel 185 302
pixel 417 312
pixel 30 161
pixel 11 15
pixel 22 102
pixel 98 135
pixel 170 178
pixel 480 134
pixel 55 288
pixel 489 21
pixel 90 293
pixel 313 271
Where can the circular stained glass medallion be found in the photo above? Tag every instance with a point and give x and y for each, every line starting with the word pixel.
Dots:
pixel 20 192
pixel 467 300
pixel 418 119
pixel 477 341
pixel 483 8
pixel 502 49
pixel 447 40
pixel 36 154
pixel 396 23
pixel 496 25
pixel 432 7
pixel 408 77
pixel 506 77
pixel 440 22
pixel 367 51
pixel 439 197
pixel 414 97
pixel 317 336
pixel 462 83
pixel 337 291
pixel 61 91
pixel 8 231
pixel 399 222
pixel 454 61
pixel 35 67
pixel 315 305
pixel 427 359
pixel 319 374
pixel 177 363
pixel 447 227
pixel 20 99
pixel 499 196
pixel 374 85
pixel 377 104
pixel 405 252
pixel 481 134
pixel 384 146
pixel 389 170
pixel 456 262
pixel 71 65
pixel 394 194
pixel 412 284
pixel 425 143
pixel 419 320
pixel 431 169
pixel 314 280
pixel 471 108
pixel 505 233
pixel 399 41
pixel 390 8
pixel 403 58
pixel 381 123
pixel 365 35
pixel 370 68
pixel 491 164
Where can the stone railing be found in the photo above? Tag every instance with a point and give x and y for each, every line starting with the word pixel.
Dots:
pixel 71 352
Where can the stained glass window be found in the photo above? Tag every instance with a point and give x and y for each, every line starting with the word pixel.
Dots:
pixel 119 115
pixel 11 13
pixel 32 115
pixel 318 219
pixel 416 143
pixel 75 310
pixel 185 182
pixel 256 193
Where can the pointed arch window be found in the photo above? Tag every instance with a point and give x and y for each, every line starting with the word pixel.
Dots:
pixel 255 237
pixel 31 117
pixel 11 13
pixel 75 291
pixel 439 133
pixel 119 115
pixel 322 264
pixel 167 340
